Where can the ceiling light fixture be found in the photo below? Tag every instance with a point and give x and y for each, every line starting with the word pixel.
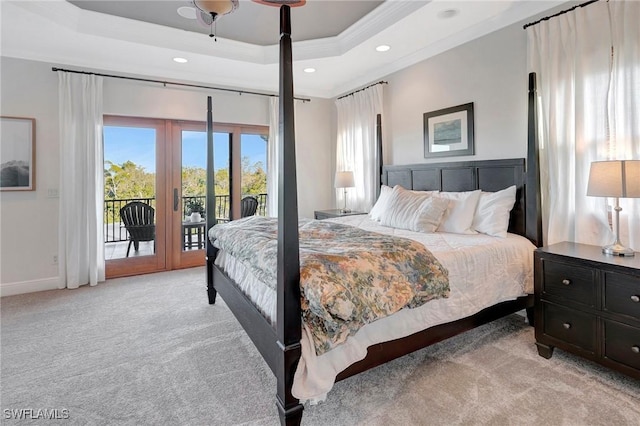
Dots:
pixel 209 10
pixel 278 3
pixel 309 70
pixel 187 12
pixel 448 13
pixel 216 7
pixel 180 60
pixel 383 48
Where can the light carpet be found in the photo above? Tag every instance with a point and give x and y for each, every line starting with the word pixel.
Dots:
pixel 149 350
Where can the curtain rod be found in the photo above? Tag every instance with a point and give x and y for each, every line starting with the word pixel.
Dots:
pixel 364 88
pixel 147 80
pixel 546 18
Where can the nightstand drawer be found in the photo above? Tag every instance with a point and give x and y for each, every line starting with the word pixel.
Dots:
pixel 328 214
pixel 622 294
pixel 622 343
pixel 323 215
pixel 571 282
pixel 571 326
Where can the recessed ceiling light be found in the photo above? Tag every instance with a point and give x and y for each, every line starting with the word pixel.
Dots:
pixel 383 48
pixel 180 60
pixel 309 70
pixel 448 13
pixel 187 12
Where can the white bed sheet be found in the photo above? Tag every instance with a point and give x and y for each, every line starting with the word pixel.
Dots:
pixel 483 271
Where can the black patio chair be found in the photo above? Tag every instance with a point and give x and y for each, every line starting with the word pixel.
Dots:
pixel 138 219
pixel 248 206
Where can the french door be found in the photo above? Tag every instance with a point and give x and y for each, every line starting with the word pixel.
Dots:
pixel 135 160
pixel 162 163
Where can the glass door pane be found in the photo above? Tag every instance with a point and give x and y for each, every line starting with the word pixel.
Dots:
pixel 129 178
pixel 194 189
pixel 221 161
pixel 192 184
pixel 253 151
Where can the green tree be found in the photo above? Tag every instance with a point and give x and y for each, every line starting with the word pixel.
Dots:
pixel 222 181
pixel 194 181
pixel 254 177
pixel 127 181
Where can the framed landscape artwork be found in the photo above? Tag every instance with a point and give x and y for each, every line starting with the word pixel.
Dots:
pixel 449 131
pixel 17 154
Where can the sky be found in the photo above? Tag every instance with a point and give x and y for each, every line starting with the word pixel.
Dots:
pixel 138 145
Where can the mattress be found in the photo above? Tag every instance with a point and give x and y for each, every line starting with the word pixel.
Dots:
pixel 483 271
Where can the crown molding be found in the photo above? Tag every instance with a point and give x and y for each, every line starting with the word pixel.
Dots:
pixel 97 24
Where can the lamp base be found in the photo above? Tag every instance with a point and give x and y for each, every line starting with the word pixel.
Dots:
pixel 618 250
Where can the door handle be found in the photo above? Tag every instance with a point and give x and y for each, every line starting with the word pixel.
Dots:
pixel 176 199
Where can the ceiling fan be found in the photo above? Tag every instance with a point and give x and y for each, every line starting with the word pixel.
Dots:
pixel 207 11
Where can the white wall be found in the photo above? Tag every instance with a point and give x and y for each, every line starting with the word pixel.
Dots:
pixel 29 220
pixel 490 72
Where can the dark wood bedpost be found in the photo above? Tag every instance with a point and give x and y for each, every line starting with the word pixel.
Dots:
pixel 288 322
pixel 533 215
pixel 211 203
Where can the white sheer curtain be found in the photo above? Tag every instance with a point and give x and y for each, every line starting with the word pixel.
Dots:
pixel 272 158
pixel 81 240
pixel 581 112
pixel 356 147
pixel 624 104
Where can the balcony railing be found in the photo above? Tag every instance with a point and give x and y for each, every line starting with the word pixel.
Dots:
pixel 114 230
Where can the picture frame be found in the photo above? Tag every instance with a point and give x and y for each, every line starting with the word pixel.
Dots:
pixel 449 132
pixel 18 150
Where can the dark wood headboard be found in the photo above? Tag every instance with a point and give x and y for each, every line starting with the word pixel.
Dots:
pixel 488 175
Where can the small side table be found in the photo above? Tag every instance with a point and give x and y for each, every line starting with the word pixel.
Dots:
pixel 588 304
pixel 187 235
pixel 327 214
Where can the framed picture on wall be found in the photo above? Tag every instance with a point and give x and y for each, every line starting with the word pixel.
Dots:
pixel 449 131
pixel 18 154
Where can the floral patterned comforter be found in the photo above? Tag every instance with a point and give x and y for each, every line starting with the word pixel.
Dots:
pixel 349 277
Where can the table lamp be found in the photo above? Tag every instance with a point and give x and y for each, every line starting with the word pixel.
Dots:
pixel 344 180
pixel 619 179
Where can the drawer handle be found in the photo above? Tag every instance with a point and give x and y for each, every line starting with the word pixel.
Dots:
pixel 566 281
pixel 635 298
pixel 566 325
pixel 635 349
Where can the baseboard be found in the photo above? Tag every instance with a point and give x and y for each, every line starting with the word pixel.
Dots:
pixel 11 289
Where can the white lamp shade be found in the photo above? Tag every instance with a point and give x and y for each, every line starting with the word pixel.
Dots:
pixel 618 178
pixel 344 180
pixel 219 7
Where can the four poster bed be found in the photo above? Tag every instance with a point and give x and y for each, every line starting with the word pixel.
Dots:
pixel 278 331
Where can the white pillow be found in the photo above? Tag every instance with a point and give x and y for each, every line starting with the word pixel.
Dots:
pixel 381 204
pixel 492 213
pixel 459 215
pixel 430 214
pixel 415 212
pixel 413 191
pixel 383 198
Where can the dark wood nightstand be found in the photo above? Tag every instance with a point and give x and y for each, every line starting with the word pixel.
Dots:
pixel 326 214
pixel 588 303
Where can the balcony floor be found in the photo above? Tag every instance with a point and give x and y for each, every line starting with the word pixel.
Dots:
pixel 119 250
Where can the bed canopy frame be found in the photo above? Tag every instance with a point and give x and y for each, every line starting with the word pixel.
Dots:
pixel 279 343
